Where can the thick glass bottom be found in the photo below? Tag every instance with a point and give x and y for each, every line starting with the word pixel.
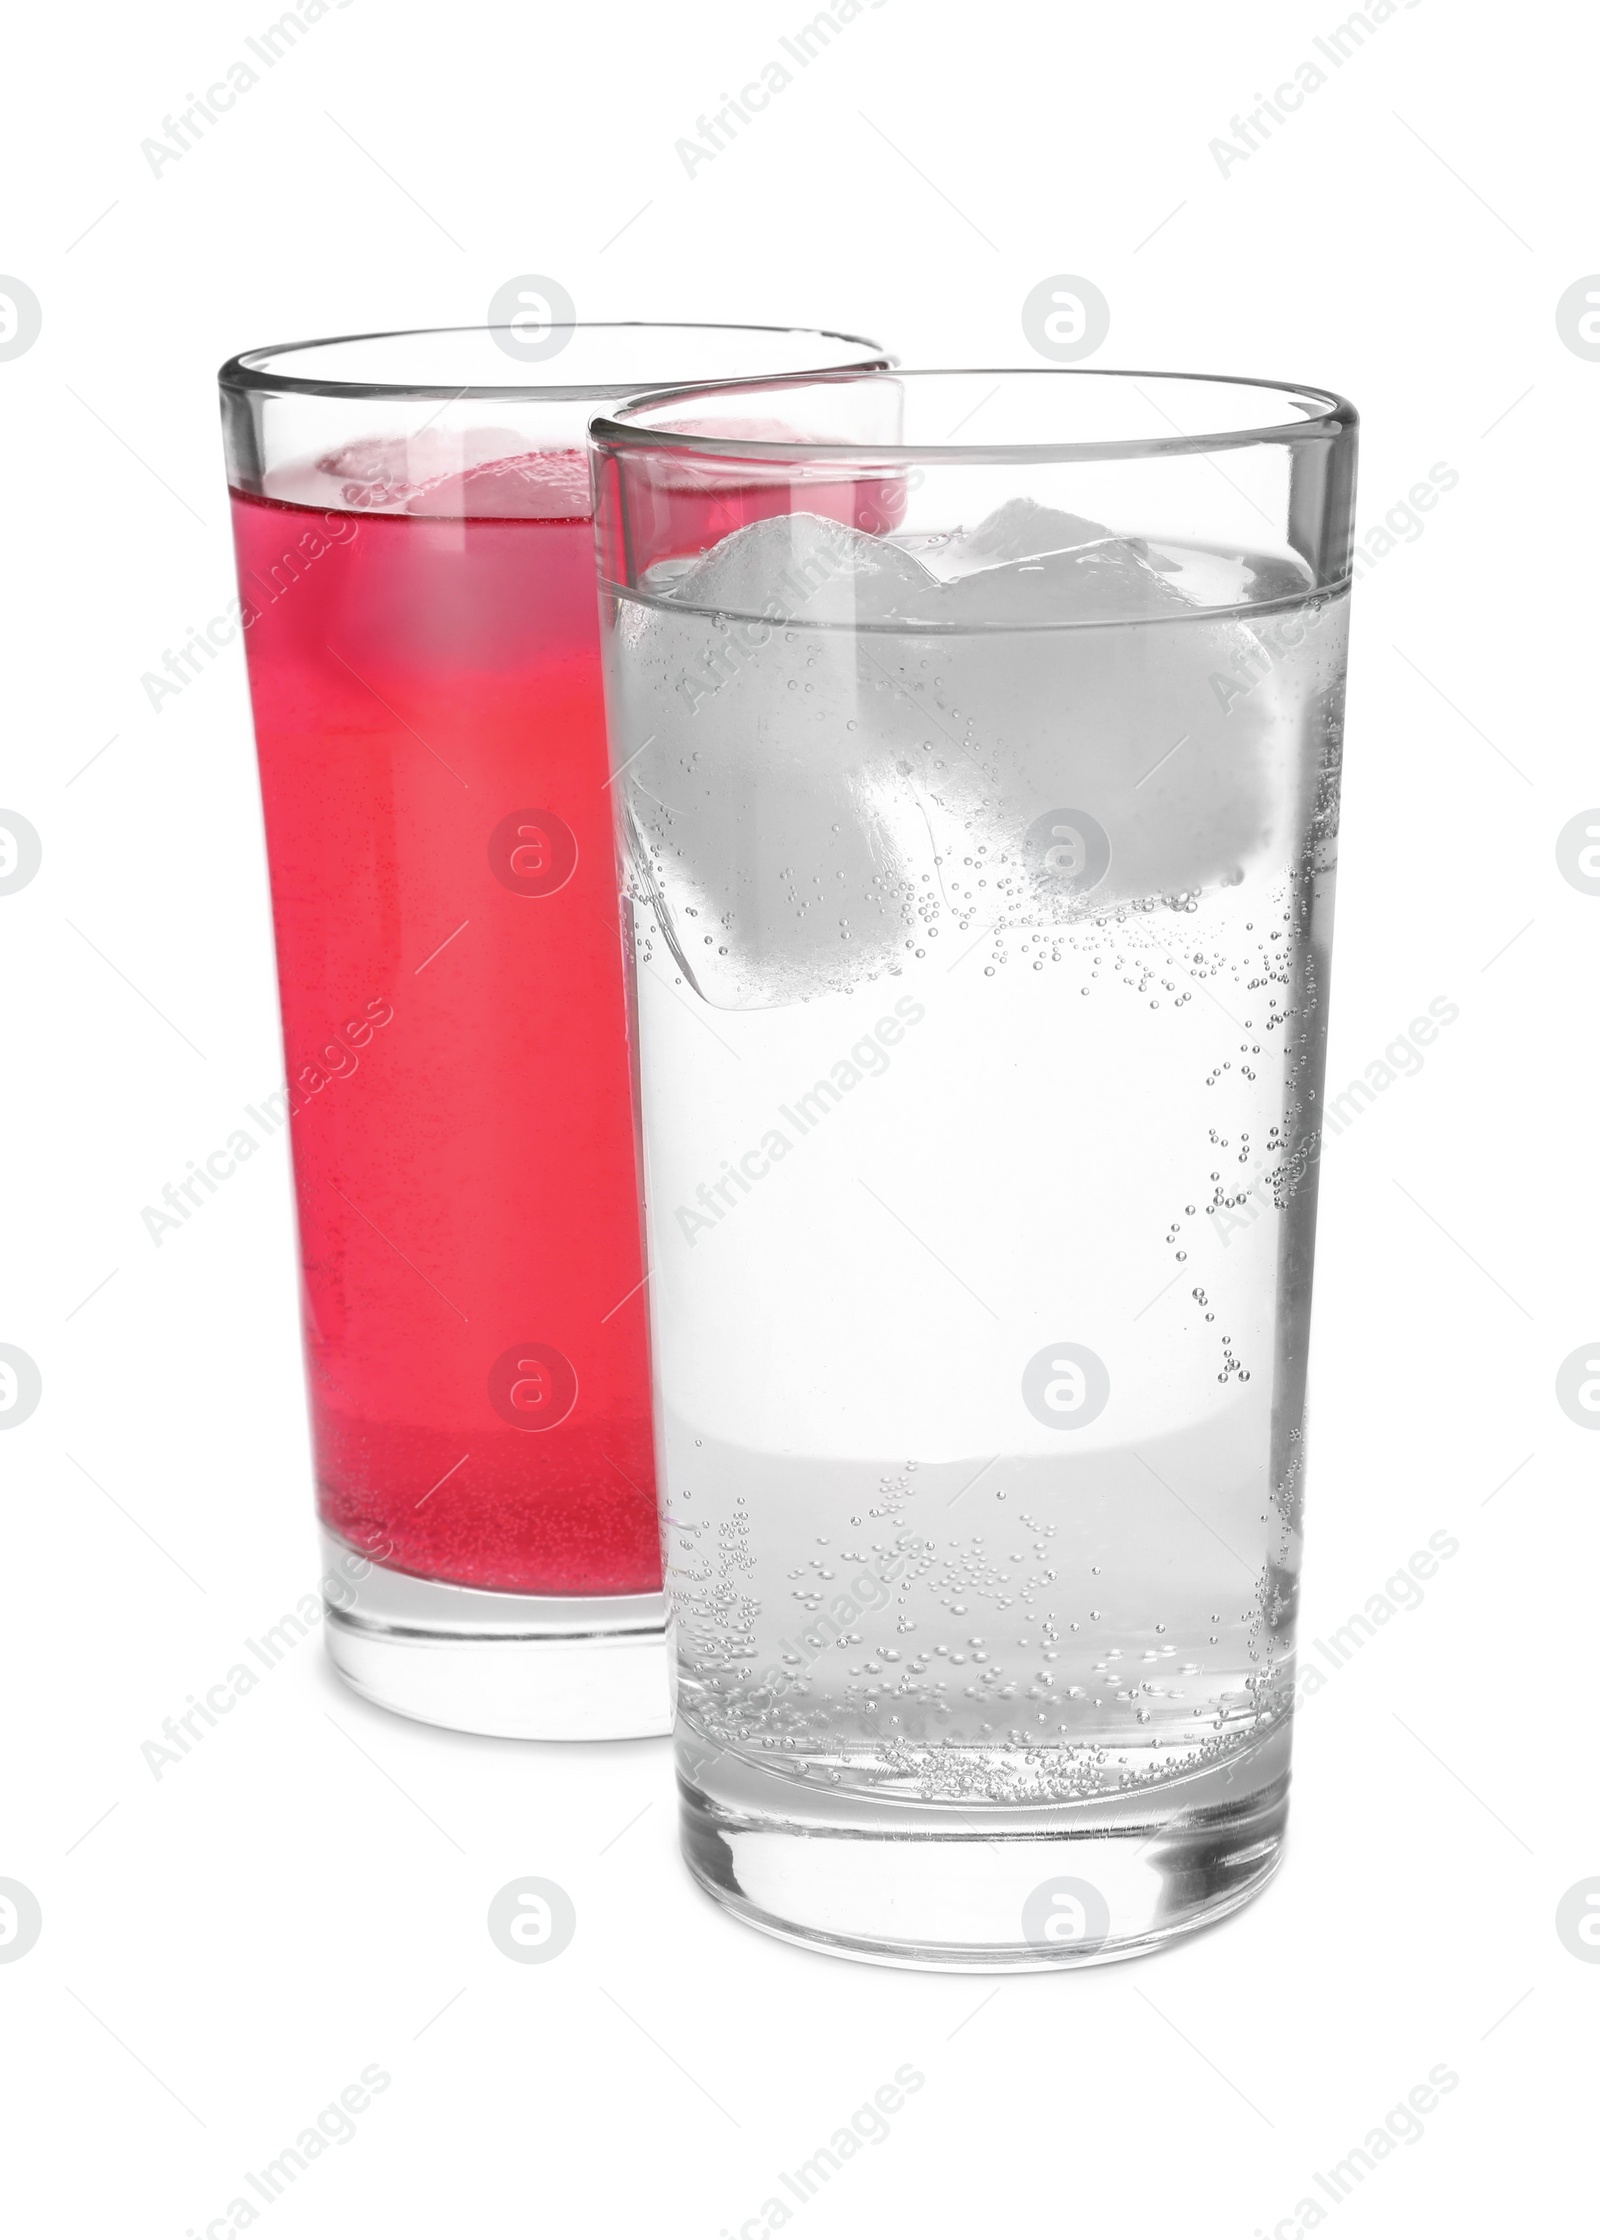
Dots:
pixel 976 1888
pixel 537 1668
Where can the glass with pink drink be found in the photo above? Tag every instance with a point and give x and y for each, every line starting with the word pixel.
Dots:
pixel 413 525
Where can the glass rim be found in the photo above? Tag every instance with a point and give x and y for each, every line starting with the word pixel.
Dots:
pixel 1338 417
pixel 248 372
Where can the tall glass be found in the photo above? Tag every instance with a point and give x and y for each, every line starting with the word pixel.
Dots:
pixel 979 809
pixel 412 517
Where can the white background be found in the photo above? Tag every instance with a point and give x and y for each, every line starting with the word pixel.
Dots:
pixel 305 1895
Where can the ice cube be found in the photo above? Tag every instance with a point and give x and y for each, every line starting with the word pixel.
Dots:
pixel 1112 764
pixel 1106 581
pixel 770 817
pixel 379 471
pixel 1019 530
pixel 801 567
pixel 1117 777
pixel 776 815
pixel 452 472
pixel 810 807
pixel 532 486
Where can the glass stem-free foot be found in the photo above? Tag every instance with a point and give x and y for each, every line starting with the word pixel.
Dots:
pixel 976 1887
pixel 538 1668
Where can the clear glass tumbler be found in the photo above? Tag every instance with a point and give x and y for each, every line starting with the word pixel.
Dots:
pixel 412 517
pixel 978 801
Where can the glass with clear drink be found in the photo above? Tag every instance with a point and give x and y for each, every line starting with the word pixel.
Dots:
pixel 978 808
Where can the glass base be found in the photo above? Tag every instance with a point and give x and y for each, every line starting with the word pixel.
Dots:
pixel 983 1889
pixel 536 1668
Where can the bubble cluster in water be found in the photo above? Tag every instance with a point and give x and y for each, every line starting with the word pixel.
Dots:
pixel 913 1695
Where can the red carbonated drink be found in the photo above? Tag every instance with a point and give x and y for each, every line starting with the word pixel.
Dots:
pixel 431 740
pixel 413 519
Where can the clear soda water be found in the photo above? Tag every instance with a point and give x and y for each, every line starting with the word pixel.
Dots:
pixel 982 893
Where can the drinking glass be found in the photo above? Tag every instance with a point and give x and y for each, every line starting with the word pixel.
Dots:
pixel 978 804
pixel 412 519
